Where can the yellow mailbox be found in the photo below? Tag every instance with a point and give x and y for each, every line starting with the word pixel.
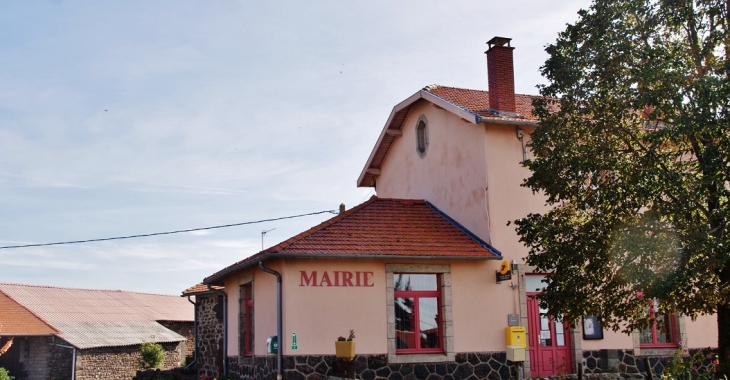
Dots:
pixel 516 336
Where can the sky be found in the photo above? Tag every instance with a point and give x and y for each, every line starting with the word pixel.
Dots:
pixel 121 118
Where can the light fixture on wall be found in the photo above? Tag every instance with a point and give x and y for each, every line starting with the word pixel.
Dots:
pixel 514 267
pixel 520 136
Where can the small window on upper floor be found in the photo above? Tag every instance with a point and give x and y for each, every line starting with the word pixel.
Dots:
pixel 422 136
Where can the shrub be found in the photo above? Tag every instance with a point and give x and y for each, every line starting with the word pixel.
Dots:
pixel 152 355
pixel 5 375
pixel 688 367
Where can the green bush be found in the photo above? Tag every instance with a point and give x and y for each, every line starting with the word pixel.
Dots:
pixel 152 355
pixel 687 367
pixel 5 375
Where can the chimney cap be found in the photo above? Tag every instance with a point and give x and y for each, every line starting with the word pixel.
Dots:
pixel 499 41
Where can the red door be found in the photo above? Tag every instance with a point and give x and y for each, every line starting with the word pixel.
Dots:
pixel 549 343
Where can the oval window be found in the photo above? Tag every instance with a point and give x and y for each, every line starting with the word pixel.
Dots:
pixel 421 136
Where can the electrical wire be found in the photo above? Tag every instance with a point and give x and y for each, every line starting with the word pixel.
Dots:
pixel 167 232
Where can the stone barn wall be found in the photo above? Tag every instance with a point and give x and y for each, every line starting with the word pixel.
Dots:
pixel 111 363
pixel 209 309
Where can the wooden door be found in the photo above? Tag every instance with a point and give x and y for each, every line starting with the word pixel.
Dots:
pixel 548 342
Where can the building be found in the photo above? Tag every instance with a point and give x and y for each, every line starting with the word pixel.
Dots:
pixel 457 153
pixel 66 333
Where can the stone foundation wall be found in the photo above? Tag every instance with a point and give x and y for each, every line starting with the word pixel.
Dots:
pixel 120 362
pixel 620 361
pixel 624 361
pixel 473 365
pixel 210 334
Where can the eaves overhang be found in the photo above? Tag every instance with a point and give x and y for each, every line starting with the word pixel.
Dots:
pixel 216 278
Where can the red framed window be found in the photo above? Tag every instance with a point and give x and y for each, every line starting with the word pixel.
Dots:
pixel 661 333
pixel 245 320
pixel 418 325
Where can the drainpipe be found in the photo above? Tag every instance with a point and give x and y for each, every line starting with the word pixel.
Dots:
pixel 225 328
pixel 73 359
pixel 195 334
pixel 278 317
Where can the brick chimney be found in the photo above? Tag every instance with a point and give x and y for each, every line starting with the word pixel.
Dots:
pixel 501 72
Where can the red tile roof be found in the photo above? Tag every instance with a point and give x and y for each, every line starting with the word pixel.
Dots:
pixel 387 228
pixel 477 102
pixel 199 289
pixel 16 320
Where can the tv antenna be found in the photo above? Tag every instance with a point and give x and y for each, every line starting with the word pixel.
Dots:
pixel 264 232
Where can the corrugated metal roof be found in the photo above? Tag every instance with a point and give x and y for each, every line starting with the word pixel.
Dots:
pixel 113 334
pixel 90 313
pixel 55 304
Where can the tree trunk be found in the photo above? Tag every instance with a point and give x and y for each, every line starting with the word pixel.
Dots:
pixel 723 332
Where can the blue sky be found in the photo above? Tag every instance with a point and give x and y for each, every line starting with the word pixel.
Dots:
pixel 133 117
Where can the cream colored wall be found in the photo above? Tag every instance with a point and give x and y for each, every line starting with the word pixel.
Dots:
pixel 320 314
pixel 507 199
pixel 701 332
pixel 452 173
pixel 480 306
pixel 611 340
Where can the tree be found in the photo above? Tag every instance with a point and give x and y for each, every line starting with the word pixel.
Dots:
pixel 633 156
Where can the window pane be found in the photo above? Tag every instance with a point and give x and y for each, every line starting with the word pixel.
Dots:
pixel 664 329
pixel 406 281
pixel 405 328
pixel 645 335
pixel 428 324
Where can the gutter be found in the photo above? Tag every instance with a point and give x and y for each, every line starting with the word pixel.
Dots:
pixel 489 120
pixel 225 327
pixel 279 351
pixel 195 334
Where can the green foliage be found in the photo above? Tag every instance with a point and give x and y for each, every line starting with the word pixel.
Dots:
pixel 152 355
pixel 688 368
pixel 350 337
pixel 632 154
pixel 5 375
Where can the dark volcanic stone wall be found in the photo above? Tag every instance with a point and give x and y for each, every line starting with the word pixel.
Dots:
pixel 210 334
pixel 623 361
pixel 473 365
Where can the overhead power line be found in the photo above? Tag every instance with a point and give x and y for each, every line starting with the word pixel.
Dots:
pixel 167 232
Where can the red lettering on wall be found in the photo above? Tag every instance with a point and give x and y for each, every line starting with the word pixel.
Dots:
pixel 346 278
pixel 341 278
pixel 325 277
pixel 365 275
pixel 307 281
